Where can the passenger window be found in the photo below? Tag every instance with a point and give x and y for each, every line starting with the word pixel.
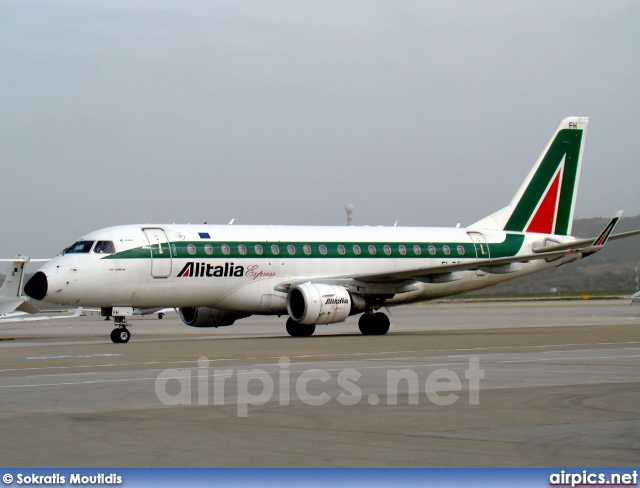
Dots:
pixel 191 249
pixel 432 250
pixel 461 250
pixel 307 249
pixel 323 249
pixel 104 247
pixel 79 247
pixel 275 250
pixel 356 250
pixel 208 249
pixel 387 250
pixel 446 250
pixel 341 250
pixel 372 249
pixel 242 249
pixel 291 249
pixel 225 249
pixel 416 250
pixel 258 249
pixel 402 249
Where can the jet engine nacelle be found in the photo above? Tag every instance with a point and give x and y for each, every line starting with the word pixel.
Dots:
pixel 315 303
pixel 208 317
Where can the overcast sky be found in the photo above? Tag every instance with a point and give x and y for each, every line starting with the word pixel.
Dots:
pixel 281 112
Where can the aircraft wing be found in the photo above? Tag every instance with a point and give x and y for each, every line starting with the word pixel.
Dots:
pixel 500 265
pixel 40 318
pixel 582 248
pixel 400 281
pixel 26 307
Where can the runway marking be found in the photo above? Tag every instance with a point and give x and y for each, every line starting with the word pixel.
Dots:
pixel 311 356
pixel 240 372
pixel 70 357
pixel 566 359
pixel 78 383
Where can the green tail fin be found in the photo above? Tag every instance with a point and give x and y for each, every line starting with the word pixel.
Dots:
pixel 546 199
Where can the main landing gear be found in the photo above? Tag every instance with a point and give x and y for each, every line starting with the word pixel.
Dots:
pixel 299 330
pixel 120 334
pixel 374 324
pixel 369 324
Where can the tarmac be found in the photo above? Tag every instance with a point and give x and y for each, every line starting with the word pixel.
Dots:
pixel 509 384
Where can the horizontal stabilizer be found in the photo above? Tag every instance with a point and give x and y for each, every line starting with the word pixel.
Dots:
pixel 27 307
pixel 601 240
pixel 591 244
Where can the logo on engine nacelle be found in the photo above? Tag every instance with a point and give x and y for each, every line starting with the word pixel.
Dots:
pixel 336 301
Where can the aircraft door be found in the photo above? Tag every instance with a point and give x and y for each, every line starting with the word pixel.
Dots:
pixel 479 242
pixel 160 252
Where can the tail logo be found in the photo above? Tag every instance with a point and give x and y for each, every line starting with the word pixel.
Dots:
pixel 544 218
pixel 545 203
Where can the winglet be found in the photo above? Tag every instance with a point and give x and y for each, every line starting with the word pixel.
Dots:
pixel 601 240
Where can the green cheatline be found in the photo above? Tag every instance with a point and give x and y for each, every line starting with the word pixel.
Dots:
pixel 180 250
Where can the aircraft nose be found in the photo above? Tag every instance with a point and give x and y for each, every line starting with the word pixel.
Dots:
pixel 37 286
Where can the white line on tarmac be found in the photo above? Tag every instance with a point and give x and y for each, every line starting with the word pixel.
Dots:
pixel 312 356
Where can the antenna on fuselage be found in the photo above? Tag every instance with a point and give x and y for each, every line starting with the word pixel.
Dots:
pixel 349 209
pixel 231 221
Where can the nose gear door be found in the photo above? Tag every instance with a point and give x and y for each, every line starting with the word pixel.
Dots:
pixel 160 252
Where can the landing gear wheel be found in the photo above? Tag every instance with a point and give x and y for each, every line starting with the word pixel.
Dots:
pixel 374 324
pixel 299 330
pixel 121 335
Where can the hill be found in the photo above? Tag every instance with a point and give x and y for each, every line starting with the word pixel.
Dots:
pixel 611 270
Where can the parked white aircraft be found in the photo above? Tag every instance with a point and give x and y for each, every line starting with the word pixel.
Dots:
pixel 13 304
pixel 150 311
pixel 12 301
pixel 321 275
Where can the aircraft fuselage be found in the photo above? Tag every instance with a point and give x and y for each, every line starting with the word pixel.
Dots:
pixel 239 268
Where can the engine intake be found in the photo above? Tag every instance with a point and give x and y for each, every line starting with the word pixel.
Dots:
pixel 315 303
pixel 208 317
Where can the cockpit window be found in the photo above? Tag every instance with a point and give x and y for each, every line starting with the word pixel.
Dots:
pixel 104 247
pixel 79 247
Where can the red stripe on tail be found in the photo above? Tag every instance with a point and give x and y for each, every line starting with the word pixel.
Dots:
pixel 543 219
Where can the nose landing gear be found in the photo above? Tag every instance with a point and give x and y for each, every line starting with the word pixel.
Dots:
pixel 120 334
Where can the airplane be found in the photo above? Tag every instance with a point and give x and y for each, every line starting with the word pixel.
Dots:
pixel 161 312
pixel 40 316
pixel 13 304
pixel 12 301
pixel 217 274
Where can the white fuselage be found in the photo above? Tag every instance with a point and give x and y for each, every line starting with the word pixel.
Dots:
pixel 235 268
